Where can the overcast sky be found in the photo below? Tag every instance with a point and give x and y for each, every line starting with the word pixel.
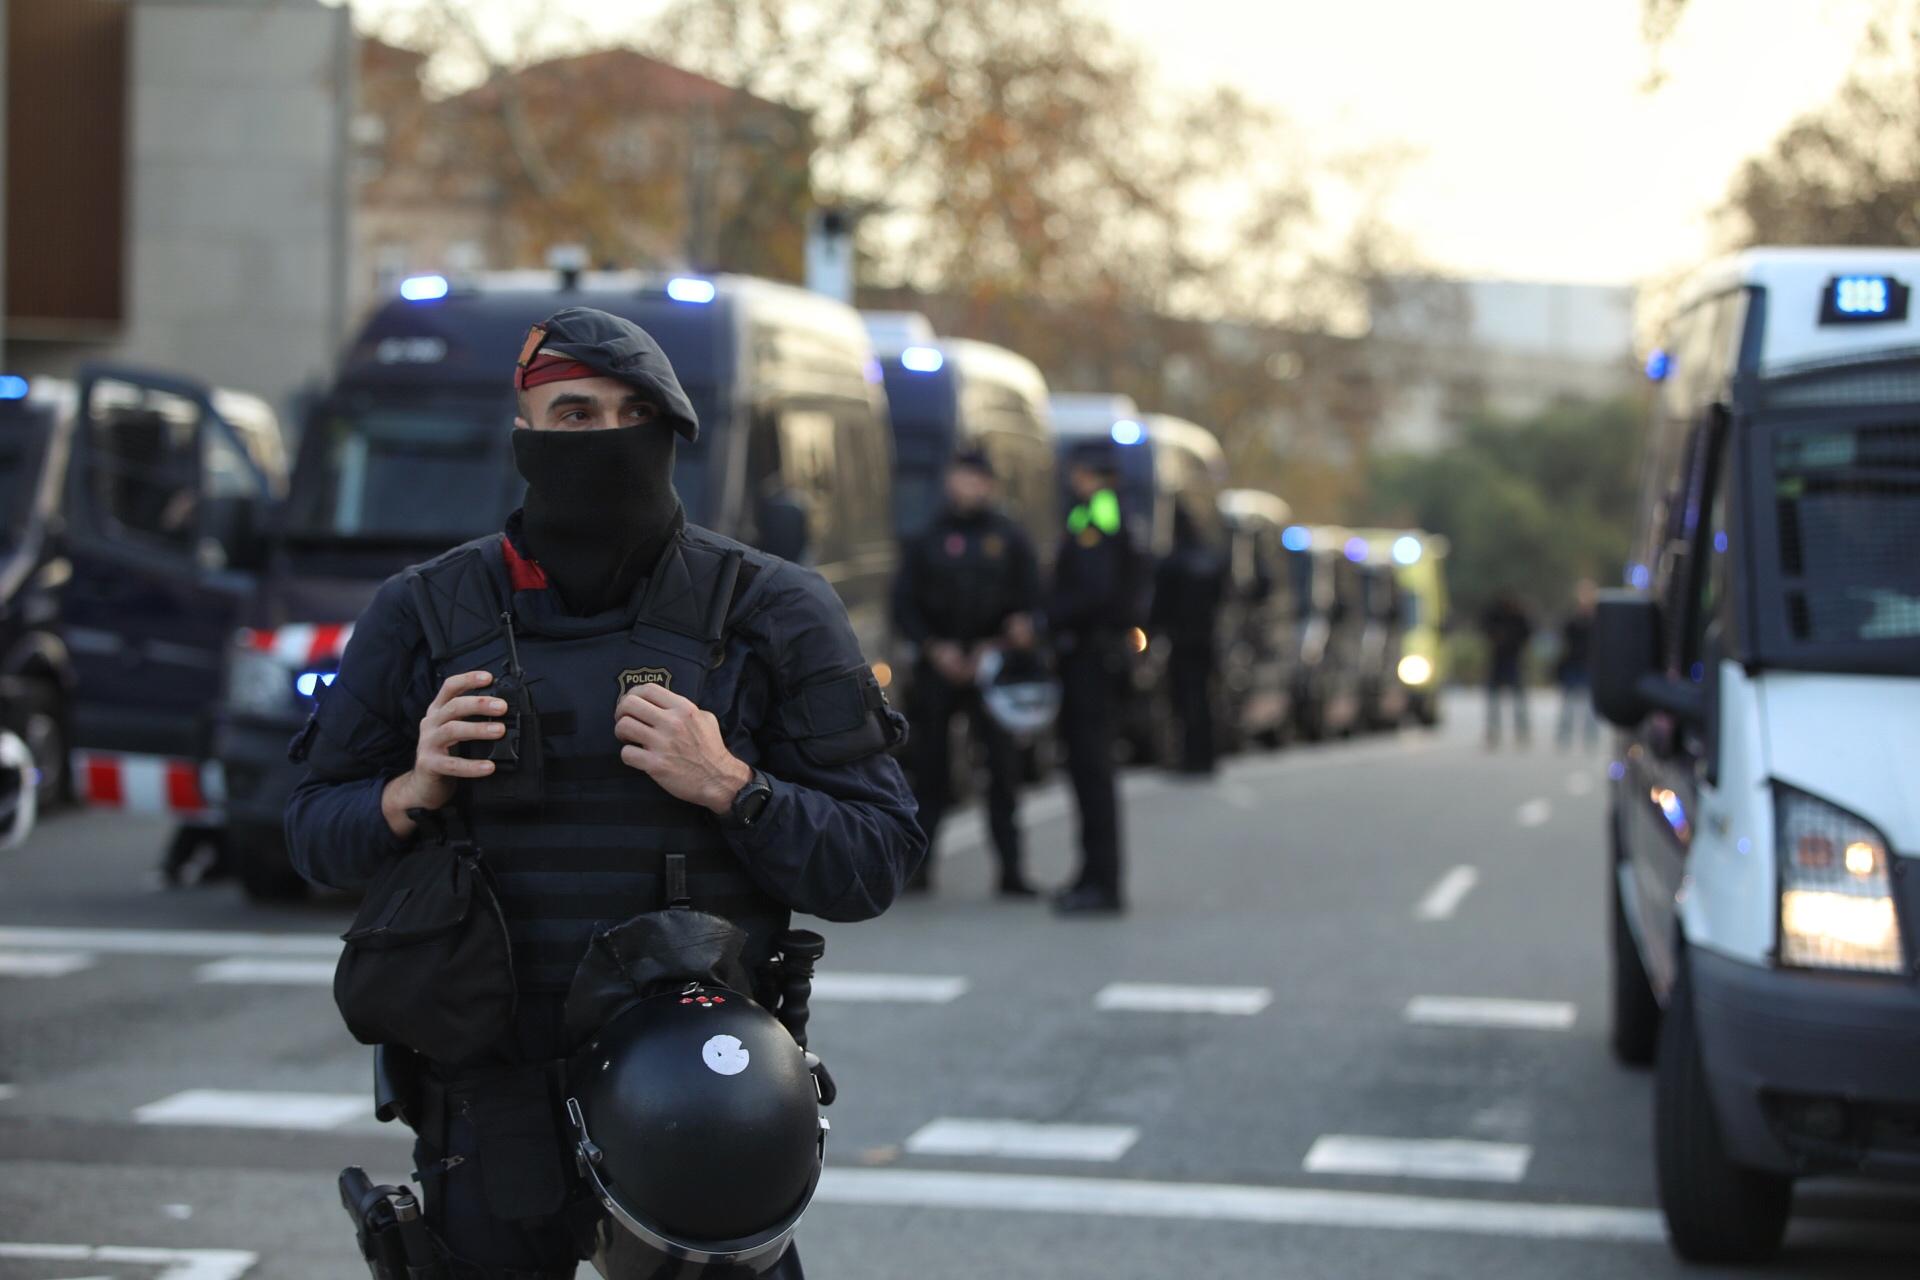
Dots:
pixel 1537 154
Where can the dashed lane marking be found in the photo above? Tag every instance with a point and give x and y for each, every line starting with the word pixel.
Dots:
pixel 1535 813
pixel 1484 1011
pixel 1022 1140
pixel 1450 1158
pixel 1444 898
pixel 270 971
pixel 175 1264
pixel 888 988
pixel 43 964
pixel 1158 997
pixel 1217 1202
pixel 8 1091
pixel 170 942
pixel 245 1109
pixel 1580 783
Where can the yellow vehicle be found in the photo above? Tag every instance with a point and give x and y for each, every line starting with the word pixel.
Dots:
pixel 1419 566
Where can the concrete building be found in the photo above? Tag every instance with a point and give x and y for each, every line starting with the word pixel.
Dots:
pixel 1455 347
pixel 176 187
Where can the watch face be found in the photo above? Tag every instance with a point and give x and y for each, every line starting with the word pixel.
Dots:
pixel 752 801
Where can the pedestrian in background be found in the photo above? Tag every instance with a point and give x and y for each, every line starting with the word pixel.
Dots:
pixel 1092 607
pixel 1188 588
pixel 1575 669
pixel 969 583
pixel 1507 629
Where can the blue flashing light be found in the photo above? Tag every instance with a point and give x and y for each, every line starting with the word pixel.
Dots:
pixel 1659 365
pixel 423 288
pixel 871 370
pixel 1407 549
pixel 1698 671
pixel 1638 576
pixel 1862 296
pixel 12 387
pixel 1357 550
pixel 691 289
pixel 1617 770
pixel 1720 541
pixel 309 682
pixel 1744 845
pixel 922 359
pixel 1672 810
pixel 1296 537
pixel 1126 431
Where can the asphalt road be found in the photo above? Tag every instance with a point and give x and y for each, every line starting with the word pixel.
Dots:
pixel 1280 1064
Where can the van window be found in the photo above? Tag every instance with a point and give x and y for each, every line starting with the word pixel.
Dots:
pixel 23 448
pixel 405 469
pixel 143 461
pixel 1848 520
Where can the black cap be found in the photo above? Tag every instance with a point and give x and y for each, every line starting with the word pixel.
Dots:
pixel 617 348
pixel 1094 455
pixel 973 459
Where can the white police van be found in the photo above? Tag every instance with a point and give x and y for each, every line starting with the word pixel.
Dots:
pixel 1765 669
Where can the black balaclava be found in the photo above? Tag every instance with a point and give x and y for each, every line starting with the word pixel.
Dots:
pixel 600 508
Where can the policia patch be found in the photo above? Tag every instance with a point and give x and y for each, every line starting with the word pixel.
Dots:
pixel 635 677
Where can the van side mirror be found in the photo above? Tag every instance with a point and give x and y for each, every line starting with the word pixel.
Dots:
pixel 1629 682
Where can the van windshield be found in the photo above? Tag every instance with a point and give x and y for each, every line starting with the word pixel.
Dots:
pixel 22 446
pixel 436 472
pixel 1848 517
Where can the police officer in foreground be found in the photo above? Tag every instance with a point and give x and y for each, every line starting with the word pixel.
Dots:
pixel 968 585
pixel 1094 603
pixel 620 712
pixel 1189 587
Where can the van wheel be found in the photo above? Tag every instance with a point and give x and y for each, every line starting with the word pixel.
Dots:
pixel 1716 1211
pixel 42 725
pixel 1635 1013
pixel 266 874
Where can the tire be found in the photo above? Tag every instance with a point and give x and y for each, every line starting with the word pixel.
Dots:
pixel 1635 1015
pixel 1716 1211
pixel 260 861
pixel 42 725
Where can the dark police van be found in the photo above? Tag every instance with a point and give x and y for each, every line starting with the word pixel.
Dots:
pixel 411 453
pixel 948 394
pixel 1327 684
pixel 133 507
pixel 1165 464
pixel 1260 626
pixel 1384 699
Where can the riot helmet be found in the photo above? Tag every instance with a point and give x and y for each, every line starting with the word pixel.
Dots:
pixel 19 782
pixel 1017 690
pixel 696 1125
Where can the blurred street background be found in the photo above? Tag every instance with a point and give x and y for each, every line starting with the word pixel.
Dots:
pixel 1373 299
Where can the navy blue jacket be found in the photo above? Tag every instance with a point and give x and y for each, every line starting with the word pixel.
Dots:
pixel 835 841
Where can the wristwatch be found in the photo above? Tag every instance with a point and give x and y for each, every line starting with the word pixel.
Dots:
pixel 750 801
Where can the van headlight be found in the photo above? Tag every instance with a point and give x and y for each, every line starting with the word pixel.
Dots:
pixel 1836 890
pixel 1415 670
pixel 259 683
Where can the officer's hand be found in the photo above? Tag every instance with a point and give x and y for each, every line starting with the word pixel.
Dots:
pixel 679 746
pixel 436 770
pixel 1019 631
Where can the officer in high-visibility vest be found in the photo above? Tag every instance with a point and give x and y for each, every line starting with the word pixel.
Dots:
pixel 1093 608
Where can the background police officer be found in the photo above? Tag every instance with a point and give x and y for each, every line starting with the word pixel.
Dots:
pixel 766 804
pixel 1093 605
pixel 1189 586
pixel 970 582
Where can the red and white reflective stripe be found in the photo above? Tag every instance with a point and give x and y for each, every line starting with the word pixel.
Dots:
pixel 150 784
pixel 302 644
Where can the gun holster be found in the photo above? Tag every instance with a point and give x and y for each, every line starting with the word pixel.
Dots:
pixel 397 1086
pixel 394 1238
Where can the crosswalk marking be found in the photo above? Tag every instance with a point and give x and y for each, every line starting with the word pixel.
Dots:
pixel 175 1264
pixel 1023 1140
pixel 246 1109
pixel 1444 898
pixel 1484 1011
pixel 268 970
pixel 1217 1202
pixel 1159 997
pixel 170 942
pixel 888 988
pixel 1454 1158
pixel 7 1091
pixel 43 964
pixel 1535 813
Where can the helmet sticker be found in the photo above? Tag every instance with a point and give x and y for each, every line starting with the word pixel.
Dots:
pixel 725 1055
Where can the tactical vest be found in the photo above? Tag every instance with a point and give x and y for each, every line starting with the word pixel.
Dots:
pixel 602 842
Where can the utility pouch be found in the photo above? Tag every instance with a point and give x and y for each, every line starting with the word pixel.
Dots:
pixel 516 1121
pixel 650 953
pixel 427 963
